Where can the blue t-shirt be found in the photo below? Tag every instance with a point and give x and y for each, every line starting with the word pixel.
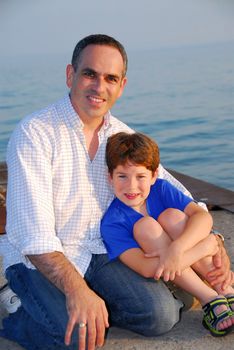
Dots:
pixel 119 219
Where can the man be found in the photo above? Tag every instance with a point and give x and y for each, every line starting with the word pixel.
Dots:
pixel 57 193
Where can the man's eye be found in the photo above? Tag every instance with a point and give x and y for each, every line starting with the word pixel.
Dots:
pixel 89 74
pixel 112 79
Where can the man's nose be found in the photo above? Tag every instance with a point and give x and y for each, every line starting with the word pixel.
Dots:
pixel 99 84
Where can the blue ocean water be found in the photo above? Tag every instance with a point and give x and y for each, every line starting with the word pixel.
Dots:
pixel 182 97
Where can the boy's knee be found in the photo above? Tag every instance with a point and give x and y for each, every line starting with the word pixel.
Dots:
pixel 143 226
pixel 173 221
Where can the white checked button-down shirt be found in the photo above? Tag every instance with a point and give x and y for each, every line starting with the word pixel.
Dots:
pixel 56 196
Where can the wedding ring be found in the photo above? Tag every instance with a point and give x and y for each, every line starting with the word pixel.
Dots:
pixel 82 325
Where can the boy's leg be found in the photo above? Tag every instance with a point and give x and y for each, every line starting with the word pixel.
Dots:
pixel 173 221
pixel 151 236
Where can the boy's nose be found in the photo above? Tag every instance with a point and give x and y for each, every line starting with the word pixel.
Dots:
pixel 132 183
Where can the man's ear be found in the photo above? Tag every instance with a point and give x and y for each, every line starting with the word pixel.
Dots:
pixel 69 75
pixel 123 83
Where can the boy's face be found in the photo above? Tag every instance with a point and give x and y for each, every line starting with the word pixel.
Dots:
pixel 132 184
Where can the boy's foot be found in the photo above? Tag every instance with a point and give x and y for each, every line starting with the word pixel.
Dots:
pixel 9 300
pixel 218 317
pixel 230 299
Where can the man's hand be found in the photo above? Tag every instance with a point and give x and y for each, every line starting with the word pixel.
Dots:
pixel 83 305
pixel 221 274
pixel 86 307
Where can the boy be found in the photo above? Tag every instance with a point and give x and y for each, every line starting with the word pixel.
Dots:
pixel 143 219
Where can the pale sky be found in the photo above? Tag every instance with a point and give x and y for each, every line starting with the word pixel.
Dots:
pixel 55 26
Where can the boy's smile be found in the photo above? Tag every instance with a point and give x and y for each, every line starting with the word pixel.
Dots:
pixel 132 184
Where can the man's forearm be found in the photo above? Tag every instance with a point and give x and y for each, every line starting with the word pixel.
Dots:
pixel 58 270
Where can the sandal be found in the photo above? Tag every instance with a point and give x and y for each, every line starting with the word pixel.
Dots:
pixel 211 319
pixel 230 300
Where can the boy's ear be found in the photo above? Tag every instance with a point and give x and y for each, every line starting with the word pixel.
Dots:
pixel 110 178
pixel 155 176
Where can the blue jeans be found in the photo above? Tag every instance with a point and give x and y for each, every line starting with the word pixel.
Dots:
pixel 134 303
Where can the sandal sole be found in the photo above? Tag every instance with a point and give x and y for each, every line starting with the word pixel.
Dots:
pixel 218 333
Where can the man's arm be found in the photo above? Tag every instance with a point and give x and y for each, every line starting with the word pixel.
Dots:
pixel 83 305
pixel 31 230
pixel 221 274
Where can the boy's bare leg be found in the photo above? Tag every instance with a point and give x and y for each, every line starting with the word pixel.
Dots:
pixel 150 236
pixel 173 222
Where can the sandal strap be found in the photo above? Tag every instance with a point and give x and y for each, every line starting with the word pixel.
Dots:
pixel 230 300
pixel 211 317
pixel 215 302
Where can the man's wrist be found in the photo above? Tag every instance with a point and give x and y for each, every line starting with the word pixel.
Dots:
pixel 218 234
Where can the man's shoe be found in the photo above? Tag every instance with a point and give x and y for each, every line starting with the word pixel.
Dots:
pixel 9 300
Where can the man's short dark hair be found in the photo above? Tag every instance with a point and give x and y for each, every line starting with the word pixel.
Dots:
pixel 98 39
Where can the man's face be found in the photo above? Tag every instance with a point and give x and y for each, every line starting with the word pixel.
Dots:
pixel 98 81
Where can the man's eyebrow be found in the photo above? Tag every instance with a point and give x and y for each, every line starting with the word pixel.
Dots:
pixel 91 70
pixel 87 69
pixel 116 76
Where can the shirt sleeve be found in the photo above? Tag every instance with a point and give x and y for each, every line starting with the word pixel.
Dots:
pixel 172 197
pixel 116 236
pixel 30 214
pixel 164 174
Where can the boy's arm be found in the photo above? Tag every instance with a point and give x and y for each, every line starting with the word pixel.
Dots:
pixel 222 273
pixel 135 258
pixel 198 227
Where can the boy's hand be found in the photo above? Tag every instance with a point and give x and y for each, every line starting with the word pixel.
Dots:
pixel 170 262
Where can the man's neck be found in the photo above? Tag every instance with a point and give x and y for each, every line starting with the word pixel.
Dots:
pixel 91 138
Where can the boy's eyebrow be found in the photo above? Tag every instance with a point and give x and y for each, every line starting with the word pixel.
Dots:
pixel 124 172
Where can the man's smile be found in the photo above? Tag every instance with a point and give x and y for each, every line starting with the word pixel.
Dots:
pixel 95 99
